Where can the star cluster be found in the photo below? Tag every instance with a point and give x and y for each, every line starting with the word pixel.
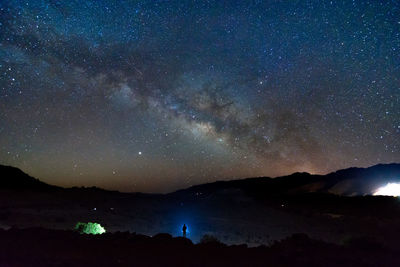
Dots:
pixel 158 95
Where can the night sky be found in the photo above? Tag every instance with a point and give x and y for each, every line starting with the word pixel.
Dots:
pixel 154 96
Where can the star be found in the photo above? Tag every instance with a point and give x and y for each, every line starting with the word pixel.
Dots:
pixel 283 86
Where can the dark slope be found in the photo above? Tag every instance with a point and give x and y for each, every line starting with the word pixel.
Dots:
pixel 15 179
pixel 361 181
pixel 348 182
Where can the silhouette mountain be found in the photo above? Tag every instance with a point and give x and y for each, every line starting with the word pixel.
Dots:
pixel 14 178
pixel 347 182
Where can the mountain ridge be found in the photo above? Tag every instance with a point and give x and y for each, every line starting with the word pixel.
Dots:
pixel 303 182
pixel 15 179
pixel 349 181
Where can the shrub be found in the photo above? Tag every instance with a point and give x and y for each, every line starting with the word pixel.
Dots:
pixel 209 239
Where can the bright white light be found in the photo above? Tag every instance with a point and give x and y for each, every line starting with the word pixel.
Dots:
pixel 391 189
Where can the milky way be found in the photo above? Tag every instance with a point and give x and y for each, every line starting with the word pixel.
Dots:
pixel 158 95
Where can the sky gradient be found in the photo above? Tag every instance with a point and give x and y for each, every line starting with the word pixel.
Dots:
pixel 153 96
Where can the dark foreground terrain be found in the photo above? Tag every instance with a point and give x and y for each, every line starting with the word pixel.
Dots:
pixel 42 247
pixel 256 211
pixel 341 223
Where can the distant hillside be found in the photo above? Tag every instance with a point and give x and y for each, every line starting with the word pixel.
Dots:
pixel 14 178
pixel 347 182
pixel 358 181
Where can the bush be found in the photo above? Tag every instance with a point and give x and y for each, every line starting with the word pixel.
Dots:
pixel 209 239
pixel 363 243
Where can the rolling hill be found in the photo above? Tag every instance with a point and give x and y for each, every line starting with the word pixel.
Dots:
pixel 15 179
pixel 346 182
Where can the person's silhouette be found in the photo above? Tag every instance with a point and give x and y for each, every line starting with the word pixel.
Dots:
pixel 184 230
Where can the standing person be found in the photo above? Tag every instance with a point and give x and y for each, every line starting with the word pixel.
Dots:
pixel 184 230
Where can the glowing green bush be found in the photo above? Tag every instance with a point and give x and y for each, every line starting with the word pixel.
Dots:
pixel 89 228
